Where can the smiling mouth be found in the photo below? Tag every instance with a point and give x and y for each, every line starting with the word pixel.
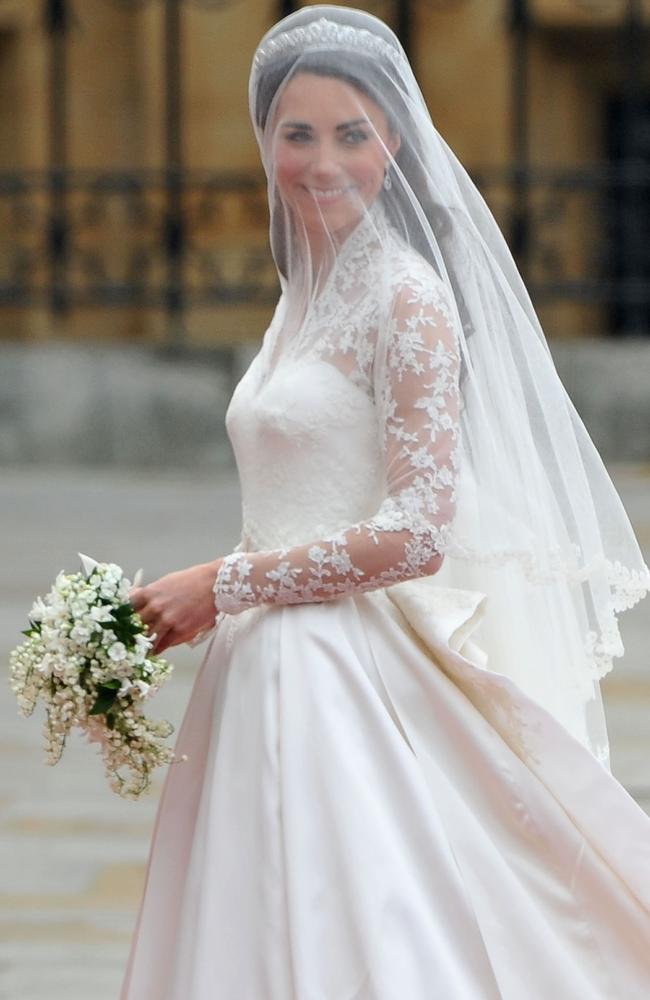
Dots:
pixel 329 194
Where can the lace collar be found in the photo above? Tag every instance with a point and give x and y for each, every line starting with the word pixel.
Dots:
pixel 359 250
pixel 371 228
pixel 371 233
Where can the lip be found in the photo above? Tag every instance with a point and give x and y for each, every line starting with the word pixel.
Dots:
pixel 327 195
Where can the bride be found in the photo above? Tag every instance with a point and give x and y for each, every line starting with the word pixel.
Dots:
pixel 397 784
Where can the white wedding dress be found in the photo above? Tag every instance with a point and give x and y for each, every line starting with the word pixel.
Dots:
pixel 370 809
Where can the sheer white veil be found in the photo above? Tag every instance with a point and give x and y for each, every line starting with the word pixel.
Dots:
pixel 538 525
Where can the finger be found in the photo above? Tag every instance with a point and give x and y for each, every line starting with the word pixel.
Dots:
pixel 137 598
pixel 163 640
pixel 160 647
pixel 174 637
pixel 153 629
pixel 148 618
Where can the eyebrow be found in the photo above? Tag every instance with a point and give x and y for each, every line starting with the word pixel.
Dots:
pixel 339 128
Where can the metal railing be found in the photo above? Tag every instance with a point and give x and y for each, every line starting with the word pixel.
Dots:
pixel 181 239
pixel 176 238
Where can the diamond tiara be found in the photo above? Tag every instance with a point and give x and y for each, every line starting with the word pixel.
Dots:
pixel 331 34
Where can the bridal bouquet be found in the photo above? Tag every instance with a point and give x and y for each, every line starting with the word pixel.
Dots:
pixel 88 657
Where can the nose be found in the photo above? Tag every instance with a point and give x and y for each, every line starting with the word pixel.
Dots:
pixel 325 162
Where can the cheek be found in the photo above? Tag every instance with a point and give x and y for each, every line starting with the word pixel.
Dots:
pixel 369 169
pixel 289 166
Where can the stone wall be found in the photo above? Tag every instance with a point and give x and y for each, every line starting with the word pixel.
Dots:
pixel 609 383
pixel 128 406
pixel 122 406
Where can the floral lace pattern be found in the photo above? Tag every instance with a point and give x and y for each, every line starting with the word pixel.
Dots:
pixel 348 448
pixel 412 409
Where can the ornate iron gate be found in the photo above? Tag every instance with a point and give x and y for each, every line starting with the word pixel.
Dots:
pixel 168 260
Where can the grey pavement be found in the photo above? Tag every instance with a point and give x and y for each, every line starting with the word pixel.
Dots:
pixel 72 853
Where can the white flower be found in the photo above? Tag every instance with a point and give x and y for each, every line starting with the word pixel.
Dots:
pixel 142 647
pixel 117 651
pixel 100 613
pixel 67 662
pixel 81 632
pixel 87 563
pixel 46 665
pixel 38 610
pixel 78 608
pixel 125 686
pixel 55 614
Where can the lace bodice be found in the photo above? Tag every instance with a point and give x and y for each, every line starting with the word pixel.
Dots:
pixel 347 447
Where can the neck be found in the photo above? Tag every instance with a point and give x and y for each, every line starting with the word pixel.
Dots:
pixel 322 246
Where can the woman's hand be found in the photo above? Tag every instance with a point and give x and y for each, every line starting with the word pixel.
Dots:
pixel 179 605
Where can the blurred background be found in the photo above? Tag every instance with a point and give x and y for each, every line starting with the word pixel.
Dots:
pixel 135 286
pixel 135 275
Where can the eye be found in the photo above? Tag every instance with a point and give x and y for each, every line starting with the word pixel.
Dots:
pixel 355 136
pixel 298 135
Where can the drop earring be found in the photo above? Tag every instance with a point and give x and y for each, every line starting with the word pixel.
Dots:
pixel 387 181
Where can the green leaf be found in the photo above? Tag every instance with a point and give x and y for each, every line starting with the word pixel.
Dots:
pixel 105 699
pixel 123 612
pixel 35 628
pixel 124 635
pixel 122 625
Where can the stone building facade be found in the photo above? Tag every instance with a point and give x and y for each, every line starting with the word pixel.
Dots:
pixel 115 114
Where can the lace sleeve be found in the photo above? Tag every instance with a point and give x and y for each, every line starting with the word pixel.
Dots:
pixel 419 406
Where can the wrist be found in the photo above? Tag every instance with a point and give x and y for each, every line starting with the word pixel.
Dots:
pixel 210 570
pixel 232 591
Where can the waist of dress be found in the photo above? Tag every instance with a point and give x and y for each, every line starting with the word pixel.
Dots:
pixel 257 538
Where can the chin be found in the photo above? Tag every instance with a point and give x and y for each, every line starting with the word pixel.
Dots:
pixel 332 218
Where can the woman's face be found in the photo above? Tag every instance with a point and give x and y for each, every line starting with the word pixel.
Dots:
pixel 330 148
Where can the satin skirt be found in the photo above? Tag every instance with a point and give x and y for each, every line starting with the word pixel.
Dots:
pixel 368 813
